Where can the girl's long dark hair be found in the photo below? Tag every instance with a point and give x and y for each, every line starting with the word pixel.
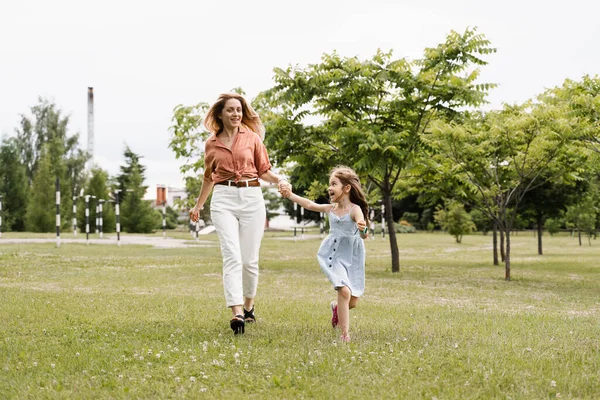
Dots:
pixel 347 176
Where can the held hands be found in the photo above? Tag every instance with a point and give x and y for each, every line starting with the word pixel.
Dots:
pixel 285 188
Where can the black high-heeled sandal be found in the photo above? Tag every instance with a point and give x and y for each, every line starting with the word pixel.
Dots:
pixel 249 316
pixel 237 324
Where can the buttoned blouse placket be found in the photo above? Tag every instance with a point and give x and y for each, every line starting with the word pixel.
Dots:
pixel 335 243
pixel 233 161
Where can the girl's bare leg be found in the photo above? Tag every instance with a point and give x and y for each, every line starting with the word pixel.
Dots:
pixel 343 303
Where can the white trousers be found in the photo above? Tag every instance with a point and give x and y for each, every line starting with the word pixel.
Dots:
pixel 238 215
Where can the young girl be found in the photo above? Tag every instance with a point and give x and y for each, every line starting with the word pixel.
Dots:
pixel 342 253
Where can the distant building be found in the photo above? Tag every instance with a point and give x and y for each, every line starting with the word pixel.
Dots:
pixel 169 195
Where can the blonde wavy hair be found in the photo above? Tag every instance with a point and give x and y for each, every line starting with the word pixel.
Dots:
pixel 250 118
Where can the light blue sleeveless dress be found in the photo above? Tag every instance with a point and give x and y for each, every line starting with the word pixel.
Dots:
pixel 342 254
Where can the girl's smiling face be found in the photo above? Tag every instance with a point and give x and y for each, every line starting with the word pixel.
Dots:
pixel 336 189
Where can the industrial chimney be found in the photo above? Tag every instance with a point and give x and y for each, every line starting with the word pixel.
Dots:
pixel 90 134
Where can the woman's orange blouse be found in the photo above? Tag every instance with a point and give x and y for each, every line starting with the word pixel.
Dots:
pixel 247 158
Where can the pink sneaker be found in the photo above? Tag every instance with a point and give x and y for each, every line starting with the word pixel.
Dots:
pixel 345 339
pixel 334 315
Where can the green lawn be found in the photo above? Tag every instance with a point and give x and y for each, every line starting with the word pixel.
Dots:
pixel 103 321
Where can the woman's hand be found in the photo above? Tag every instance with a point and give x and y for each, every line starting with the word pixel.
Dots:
pixel 195 213
pixel 285 188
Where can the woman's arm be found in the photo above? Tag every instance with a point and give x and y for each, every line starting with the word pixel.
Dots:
pixel 272 177
pixel 207 187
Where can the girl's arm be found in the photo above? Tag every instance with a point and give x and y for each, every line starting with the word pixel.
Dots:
pixel 308 204
pixel 359 218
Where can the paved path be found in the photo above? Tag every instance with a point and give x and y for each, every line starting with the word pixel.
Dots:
pixel 154 241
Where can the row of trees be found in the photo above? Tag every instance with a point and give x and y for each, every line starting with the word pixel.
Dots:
pixel 43 150
pixel 414 128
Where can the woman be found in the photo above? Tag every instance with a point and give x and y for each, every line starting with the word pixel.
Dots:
pixel 234 159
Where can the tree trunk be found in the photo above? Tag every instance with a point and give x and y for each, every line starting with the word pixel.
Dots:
pixel 579 235
pixel 389 219
pixel 540 222
pixel 507 259
pixel 495 242
pixel 502 253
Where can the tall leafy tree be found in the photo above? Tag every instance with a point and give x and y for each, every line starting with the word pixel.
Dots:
pixel 583 214
pixel 14 187
pixel 48 125
pixel 581 102
pixel 41 213
pixel 499 158
pixel 371 114
pixel 549 201
pixel 45 133
pixel 132 167
pixel 137 214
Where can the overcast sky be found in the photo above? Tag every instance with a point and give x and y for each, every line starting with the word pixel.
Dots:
pixel 145 57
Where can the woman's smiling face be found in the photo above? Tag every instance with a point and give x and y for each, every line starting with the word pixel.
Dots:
pixel 232 114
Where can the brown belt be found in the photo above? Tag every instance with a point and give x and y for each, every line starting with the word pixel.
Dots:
pixel 240 184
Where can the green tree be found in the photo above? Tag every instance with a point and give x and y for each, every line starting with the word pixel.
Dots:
pixel 581 102
pixel 550 200
pixel 482 222
pixel 14 187
pixel 500 157
pixel 455 220
pixel 131 167
pixel 46 126
pixel 137 214
pixel 41 210
pixel 45 134
pixel 583 217
pixel 172 218
pixel 372 114
pixel 98 186
pixel 553 225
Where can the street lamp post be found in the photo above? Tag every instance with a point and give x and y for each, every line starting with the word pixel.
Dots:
pixel 118 227
pixel 302 220
pixel 57 212
pixel 96 216
pixel 0 215
pixel 100 218
pixel 87 218
pixel 321 224
pixel 74 215
pixel 164 212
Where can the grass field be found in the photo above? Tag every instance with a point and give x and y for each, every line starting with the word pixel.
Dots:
pixel 104 321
